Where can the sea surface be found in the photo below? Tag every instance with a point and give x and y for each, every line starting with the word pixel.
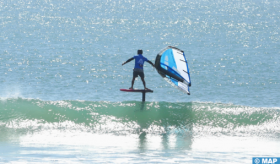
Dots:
pixel 61 73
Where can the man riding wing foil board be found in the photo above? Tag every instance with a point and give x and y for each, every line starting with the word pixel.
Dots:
pixel 138 68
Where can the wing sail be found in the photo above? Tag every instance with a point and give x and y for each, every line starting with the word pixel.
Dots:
pixel 172 65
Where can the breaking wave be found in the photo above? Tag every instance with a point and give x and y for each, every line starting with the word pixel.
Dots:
pixel 20 116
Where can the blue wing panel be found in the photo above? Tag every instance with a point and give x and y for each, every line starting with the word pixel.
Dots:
pixel 167 62
pixel 168 59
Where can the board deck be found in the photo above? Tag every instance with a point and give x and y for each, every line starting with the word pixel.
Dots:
pixel 135 90
pixel 143 91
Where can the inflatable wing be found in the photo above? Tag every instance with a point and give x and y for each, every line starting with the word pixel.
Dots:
pixel 172 65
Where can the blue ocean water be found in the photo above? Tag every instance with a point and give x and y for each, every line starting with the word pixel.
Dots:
pixel 60 75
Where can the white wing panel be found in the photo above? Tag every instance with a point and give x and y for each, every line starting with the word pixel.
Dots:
pixel 181 64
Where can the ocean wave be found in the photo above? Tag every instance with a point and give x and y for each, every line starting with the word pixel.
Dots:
pixel 21 116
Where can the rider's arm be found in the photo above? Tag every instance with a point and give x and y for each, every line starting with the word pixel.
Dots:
pixel 151 63
pixel 128 61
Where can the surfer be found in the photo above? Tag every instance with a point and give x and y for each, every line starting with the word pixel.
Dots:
pixel 138 68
